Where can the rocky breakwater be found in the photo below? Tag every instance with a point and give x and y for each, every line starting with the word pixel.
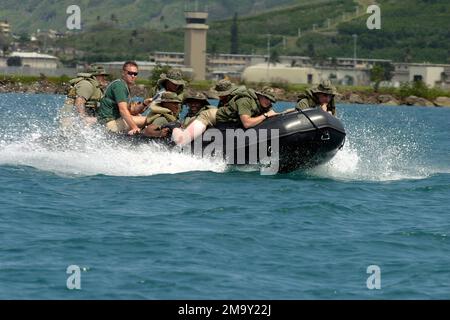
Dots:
pixel 41 86
pixel 391 100
pixel 44 86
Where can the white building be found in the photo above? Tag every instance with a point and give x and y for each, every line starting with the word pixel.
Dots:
pixel 430 74
pixel 36 60
pixel 305 75
pixel 264 72
pixel 145 68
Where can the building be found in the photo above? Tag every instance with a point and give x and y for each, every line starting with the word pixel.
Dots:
pixel 346 71
pixel 219 63
pixel 305 75
pixel 36 60
pixel 5 28
pixel 195 43
pixel 431 74
pixel 265 72
pixel 167 58
pixel 145 68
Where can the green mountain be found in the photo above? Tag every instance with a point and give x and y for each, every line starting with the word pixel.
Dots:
pixel 106 41
pixel 411 30
pixel 30 15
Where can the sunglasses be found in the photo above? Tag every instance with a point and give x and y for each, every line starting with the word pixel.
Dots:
pixel 130 73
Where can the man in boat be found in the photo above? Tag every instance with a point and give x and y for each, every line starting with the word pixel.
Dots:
pixel 83 97
pixel 247 108
pixel 162 113
pixel 224 90
pixel 171 82
pixel 196 102
pixel 116 111
pixel 321 96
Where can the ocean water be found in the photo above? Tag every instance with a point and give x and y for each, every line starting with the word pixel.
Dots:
pixel 145 223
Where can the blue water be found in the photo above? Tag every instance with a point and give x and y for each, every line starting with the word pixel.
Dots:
pixel 145 223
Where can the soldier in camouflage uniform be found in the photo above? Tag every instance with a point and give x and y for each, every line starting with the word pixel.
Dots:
pixel 321 96
pixel 162 113
pixel 196 103
pixel 247 108
pixel 224 90
pixel 170 82
pixel 84 96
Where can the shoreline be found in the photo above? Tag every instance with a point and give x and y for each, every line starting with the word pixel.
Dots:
pixel 347 95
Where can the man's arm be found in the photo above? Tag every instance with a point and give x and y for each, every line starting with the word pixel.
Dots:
pixel 249 122
pixel 245 106
pixel 126 115
pixel 79 104
pixel 155 131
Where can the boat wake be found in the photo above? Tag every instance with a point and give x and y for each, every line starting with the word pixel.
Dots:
pixel 375 159
pixel 91 152
pixel 373 152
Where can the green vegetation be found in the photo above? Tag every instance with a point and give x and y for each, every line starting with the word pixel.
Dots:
pixel 420 89
pixel 28 80
pixel 411 30
pixel 279 23
pixel 30 15
pixel 104 42
pixel 381 72
pixel 419 33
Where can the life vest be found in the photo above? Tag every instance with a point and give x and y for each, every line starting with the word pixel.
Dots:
pixel 248 93
pixel 158 112
pixel 191 117
pixel 313 101
pixel 94 100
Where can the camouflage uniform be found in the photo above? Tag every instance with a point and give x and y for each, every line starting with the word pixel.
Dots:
pixel 86 86
pixel 226 88
pixel 159 115
pixel 176 77
pixel 310 99
pixel 196 96
pixel 242 103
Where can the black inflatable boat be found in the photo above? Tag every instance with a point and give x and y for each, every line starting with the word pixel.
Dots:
pixel 304 138
pixel 286 142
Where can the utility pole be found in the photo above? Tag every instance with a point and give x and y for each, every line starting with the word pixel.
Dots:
pixel 268 56
pixel 299 32
pixel 355 40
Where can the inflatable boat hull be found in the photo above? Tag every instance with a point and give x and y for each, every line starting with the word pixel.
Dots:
pixel 305 139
